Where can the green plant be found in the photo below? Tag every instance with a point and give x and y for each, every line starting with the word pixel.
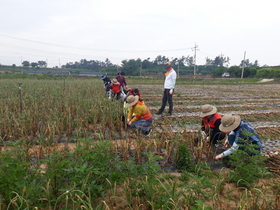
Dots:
pixel 184 160
pixel 18 174
pixel 248 164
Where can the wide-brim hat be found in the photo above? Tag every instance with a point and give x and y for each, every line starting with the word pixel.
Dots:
pixel 131 100
pixel 229 122
pixel 207 110
pixel 115 81
pixel 167 65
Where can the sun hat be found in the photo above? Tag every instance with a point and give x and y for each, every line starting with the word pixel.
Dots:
pixel 115 81
pixel 229 122
pixel 167 65
pixel 122 73
pixel 207 110
pixel 131 100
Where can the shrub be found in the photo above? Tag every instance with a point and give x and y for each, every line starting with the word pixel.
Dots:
pixel 184 161
pixel 248 164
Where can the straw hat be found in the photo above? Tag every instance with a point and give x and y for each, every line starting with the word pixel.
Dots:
pixel 229 122
pixel 207 110
pixel 115 81
pixel 131 100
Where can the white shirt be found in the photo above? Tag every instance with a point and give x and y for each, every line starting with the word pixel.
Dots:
pixel 170 80
pixel 233 148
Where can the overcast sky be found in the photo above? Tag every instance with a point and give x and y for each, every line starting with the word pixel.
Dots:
pixel 61 31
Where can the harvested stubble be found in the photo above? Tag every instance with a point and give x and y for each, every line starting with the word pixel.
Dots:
pixel 273 163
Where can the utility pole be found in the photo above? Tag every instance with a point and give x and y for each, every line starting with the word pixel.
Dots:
pixel 243 65
pixel 194 59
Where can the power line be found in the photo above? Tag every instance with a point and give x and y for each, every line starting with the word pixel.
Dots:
pixel 92 49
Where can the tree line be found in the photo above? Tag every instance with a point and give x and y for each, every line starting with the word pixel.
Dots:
pixel 184 66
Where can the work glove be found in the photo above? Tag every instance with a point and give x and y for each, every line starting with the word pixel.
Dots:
pixel 226 144
pixel 203 135
pixel 170 91
pixel 218 157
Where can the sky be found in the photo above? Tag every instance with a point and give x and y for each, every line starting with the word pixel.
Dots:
pixel 63 31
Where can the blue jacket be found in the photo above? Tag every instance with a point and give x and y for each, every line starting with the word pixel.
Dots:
pixel 246 132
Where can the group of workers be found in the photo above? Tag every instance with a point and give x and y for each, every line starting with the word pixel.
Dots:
pixel 116 87
pixel 230 128
pixel 235 132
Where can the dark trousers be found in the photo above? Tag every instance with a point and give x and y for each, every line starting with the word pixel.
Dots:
pixel 117 95
pixel 166 98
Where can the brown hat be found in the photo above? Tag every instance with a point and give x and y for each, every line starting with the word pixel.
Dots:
pixel 131 100
pixel 229 122
pixel 115 81
pixel 207 110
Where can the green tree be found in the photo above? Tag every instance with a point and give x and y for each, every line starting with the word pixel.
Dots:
pixel 42 64
pixel 130 67
pixel 209 62
pixel 235 71
pixel 25 63
pixel 108 63
pixel 34 64
pixel 221 61
pixel 217 72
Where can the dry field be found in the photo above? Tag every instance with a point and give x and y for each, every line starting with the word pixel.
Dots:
pixel 258 104
pixel 46 124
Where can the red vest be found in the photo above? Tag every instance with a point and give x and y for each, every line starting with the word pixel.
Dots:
pixel 115 88
pixel 210 122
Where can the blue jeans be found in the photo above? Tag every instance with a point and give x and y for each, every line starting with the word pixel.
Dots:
pixel 143 125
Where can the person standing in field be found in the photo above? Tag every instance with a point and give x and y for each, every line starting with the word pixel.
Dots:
pixel 241 133
pixel 139 115
pixel 121 79
pixel 169 85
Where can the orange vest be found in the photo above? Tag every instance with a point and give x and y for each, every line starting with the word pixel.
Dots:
pixel 211 122
pixel 115 88
pixel 147 114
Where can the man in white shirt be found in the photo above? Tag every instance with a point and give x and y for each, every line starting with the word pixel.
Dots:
pixel 169 85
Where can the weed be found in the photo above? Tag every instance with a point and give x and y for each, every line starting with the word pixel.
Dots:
pixel 184 160
pixel 248 165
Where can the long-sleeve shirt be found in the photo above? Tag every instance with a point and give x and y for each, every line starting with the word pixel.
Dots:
pixel 170 80
pixel 245 132
pixel 121 80
pixel 140 111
